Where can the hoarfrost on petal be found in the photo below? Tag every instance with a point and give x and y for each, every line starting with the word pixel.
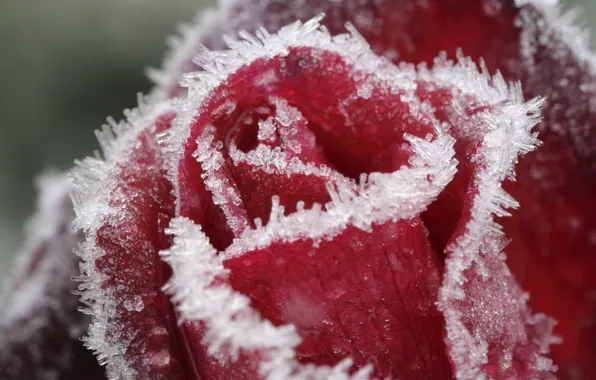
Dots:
pixel 123 204
pixel 490 329
pixel 233 330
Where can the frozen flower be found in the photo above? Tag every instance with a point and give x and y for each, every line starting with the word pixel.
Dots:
pixel 307 203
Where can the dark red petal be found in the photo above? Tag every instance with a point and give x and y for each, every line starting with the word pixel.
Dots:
pixel 368 295
pixel 40 326
pixel 552 253
pixel 123 205
pixel 401 30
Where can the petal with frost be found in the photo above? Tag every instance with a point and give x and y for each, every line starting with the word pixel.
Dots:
pixel 123 204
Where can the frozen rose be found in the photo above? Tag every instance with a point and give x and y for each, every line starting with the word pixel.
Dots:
pixel 324 213
pixel 297 179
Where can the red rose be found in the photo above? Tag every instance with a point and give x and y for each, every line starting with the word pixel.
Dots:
pixel 325 213
pixel 286 260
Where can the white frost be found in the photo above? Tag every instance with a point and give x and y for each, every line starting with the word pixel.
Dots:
pixel 185 45
pixel 505 133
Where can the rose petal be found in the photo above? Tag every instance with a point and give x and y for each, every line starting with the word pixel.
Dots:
pixel 552 249
pixel 490 330
pixel 554 245
pixel 123 204
pixel 236 336
pixel 228 337
pixel 264 173
pixel 40 325
pixel 368 295
pixel 207 119
pixel 291 165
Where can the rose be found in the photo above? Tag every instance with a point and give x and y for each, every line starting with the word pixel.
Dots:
pixel 238 151
pixel 133 176
pixel 237 142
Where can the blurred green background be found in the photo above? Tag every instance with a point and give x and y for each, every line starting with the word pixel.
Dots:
pixel 64 66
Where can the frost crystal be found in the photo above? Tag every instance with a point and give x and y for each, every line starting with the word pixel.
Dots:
pixel 120 202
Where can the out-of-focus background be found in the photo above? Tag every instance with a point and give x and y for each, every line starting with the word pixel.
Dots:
pixel 65 65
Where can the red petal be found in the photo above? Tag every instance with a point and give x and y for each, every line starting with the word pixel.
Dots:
pixel 553 253
pixel 227 337
pixel 123 204
pixel 368 295
pixel 553 245
pixel 303 79
pixel 40 325
pixel 258 183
